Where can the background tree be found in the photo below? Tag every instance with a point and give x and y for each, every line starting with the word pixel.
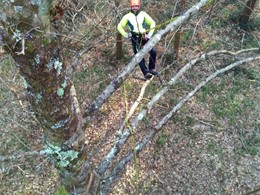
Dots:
pixel 178 33
pixel 119 49
pixel 248 9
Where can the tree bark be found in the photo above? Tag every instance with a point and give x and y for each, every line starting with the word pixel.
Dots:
pixel 247 13
pixel 119 48
pixel 177 38
pixel 177 41
pixel 37 52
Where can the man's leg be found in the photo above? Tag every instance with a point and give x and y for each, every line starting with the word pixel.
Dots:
pixel 136 47
pixel 152 61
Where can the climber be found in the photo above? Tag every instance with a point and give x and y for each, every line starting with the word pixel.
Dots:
pixel 136 21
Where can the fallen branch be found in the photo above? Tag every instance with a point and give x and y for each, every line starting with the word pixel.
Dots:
pixel 149 135
pixel 113 152
pixel 122 137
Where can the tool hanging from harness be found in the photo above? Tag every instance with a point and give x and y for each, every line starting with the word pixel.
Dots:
pixel 139 39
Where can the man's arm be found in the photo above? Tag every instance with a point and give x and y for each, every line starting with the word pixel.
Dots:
pixel 151 23
pixel 121 26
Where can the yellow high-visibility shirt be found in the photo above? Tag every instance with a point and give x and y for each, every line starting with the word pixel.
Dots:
pixel 136 23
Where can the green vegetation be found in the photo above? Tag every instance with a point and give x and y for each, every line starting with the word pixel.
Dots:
pixel 193 134
pixel 162 140
pixel 152 88
pixel 251 144
pixel 186 37
pixel 213 148
pixel 230 99
pixel 62 191
pixel 211 45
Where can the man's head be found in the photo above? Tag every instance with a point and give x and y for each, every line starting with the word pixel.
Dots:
pixel 135 5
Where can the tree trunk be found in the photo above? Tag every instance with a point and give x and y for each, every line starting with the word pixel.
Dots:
pixel 247 13
pixel 177 41
pixel 119 47
pixel 119 50
pixel 39 57
pixel 177 38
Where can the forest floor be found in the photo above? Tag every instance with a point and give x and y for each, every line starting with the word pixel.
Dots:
pixel 211 146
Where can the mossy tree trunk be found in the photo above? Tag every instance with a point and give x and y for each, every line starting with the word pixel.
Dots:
pixel 37 51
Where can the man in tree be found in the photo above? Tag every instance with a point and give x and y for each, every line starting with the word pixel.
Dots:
pixel 137 20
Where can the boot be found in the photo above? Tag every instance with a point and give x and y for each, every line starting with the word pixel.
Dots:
pixel 153 72
pixel 148 76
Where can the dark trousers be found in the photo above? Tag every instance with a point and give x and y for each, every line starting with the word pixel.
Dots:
pixel 137 43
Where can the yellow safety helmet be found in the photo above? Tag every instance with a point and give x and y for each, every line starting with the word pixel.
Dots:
pixel 135 3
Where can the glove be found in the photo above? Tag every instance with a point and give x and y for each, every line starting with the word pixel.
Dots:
pixel 129 35
pixel 147 37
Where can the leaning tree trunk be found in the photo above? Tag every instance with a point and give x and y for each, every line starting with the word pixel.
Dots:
pixel 247 13
pixel 38 54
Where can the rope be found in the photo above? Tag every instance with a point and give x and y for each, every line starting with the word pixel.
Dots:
pixel 175 17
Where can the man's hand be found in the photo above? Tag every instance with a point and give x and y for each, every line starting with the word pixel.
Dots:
pixel 129 35
pixel 146 37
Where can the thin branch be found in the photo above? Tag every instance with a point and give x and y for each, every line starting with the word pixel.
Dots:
pixel 204 123
pixel 18 156
pixel 135 105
